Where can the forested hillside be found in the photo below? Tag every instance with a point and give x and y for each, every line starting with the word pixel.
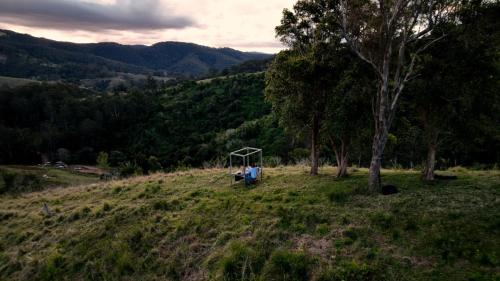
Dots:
pixel 25 56
pixel 184 125
pixel 188 125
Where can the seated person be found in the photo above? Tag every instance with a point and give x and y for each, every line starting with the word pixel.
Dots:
pixel 251 174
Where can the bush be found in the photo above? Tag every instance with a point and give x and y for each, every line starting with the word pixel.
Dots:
pixel 53 268
pixel 299 153
pixel 130 169
pixel 284 265
pixel 154 164
pixel 102 160
pixel 351 272
pixel 9 181
pixel 161 205
pixel 116 158
pixel 338 196
pixel 241 263
pixel 30 182
pixel 383 220
pixel 272 161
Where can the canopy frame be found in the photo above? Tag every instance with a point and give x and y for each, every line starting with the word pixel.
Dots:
pixel 245 154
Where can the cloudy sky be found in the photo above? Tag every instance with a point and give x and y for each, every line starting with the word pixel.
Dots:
pixel 242 24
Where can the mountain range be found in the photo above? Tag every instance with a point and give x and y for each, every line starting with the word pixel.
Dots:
pixel 25 56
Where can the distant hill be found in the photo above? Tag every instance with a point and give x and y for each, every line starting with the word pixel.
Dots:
pixel 26 56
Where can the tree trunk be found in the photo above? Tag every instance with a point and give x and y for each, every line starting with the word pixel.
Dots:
pixel 315 146
pixel 342 167
pixel 378 146
pixel 431 133
pixel 341 155
pixel 430 164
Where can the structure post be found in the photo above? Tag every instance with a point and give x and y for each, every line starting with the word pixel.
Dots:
pixel 231 167
pixel 261 166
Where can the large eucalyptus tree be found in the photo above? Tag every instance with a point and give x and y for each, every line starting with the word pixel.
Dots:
pixel 389 35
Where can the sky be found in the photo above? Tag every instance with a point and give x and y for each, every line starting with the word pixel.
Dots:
pixel 246 25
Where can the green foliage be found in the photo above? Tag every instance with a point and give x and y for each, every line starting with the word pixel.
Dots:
pixel 352 272
pixel 130 169
pixel 53 268
pixel 102 160
pixel 8 181
pixel 116 158
pixel 339 195
pixel 154 164
pixel 383 220
pixel 285 265
pixel 272 161
pixel 241 263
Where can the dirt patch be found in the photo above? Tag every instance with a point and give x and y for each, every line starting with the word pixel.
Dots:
pixel 89 170
pixel 312 245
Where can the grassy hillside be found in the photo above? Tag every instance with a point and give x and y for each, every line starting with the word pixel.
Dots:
pixel 194 226
pixel 29 178
pixel 15 82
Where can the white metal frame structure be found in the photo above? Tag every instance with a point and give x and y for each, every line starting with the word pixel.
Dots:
pixel 245 154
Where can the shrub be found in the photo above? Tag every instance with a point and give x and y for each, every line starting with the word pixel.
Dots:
pixel 241 263
pixel 322 229
pixel 9 180
pixel 106 207
pixel 130 169
pixel 161 205
pixel 351 272
pixel 53 267
pixel 382 220
pixel 116 158
pixel 102 160
pixel 299 153
pixel 272 161
pixel 30 182
pixel 351 233
pixel 338 196
pixel 284 265
pixel 217 163
pixel 154 164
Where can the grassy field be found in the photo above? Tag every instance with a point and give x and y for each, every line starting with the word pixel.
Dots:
pixel 15 82
pixel 35 178
pixel 194 226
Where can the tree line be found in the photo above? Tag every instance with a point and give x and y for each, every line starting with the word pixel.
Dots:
pixel 316 103
pixel 349 60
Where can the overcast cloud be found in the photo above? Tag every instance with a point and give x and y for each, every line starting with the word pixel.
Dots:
pixel 242 24
pixel 67 14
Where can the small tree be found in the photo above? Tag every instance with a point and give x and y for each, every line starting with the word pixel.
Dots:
pixel 347 113
pixel 102 160
pixel 298 103
pixel 299 82
pixel 389 36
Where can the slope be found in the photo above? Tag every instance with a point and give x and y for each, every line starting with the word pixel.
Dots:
pixel 193 225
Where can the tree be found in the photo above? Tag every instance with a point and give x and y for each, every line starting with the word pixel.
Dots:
pixel 299 82
pixel 347 109
pixel 298 100
pixel 389 36
pixel 449 93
